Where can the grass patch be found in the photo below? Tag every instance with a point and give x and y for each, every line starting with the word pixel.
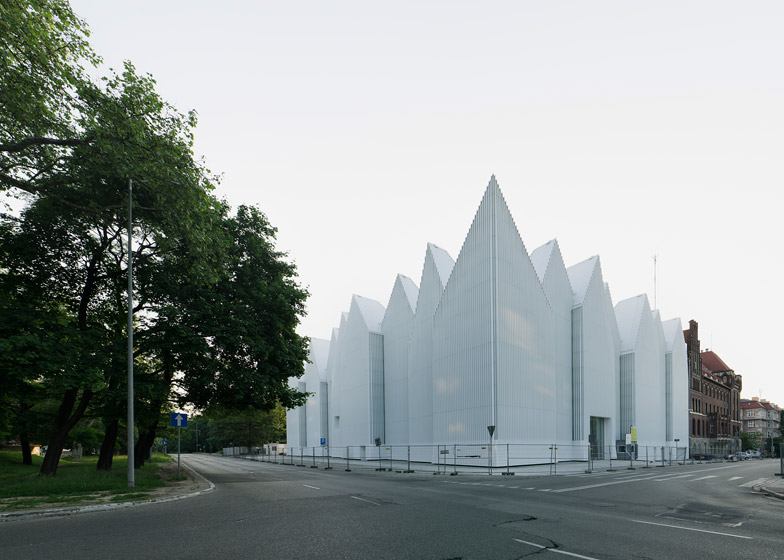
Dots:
pixel 11 465
pixel 76 481
pixel 135 496
pixel 11 504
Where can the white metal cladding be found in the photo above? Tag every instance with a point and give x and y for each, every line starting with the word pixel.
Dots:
pixel 668 389
pixel 598 352
pixel 396 326
pixel 435 272
pixel 578 413
pixel 351 378
pixel 492 340
pixel 640 334
pixel 615 351
pixel 324 411
pixel 376 367
pixel 656 382
pixel 314 372
pixel 332 360
pixel 335 382
pixel 303 418
pixel 463 343
pixel 292 419
pixel 526 384
pixel 557 287
pixel 628 392
pixel 676 351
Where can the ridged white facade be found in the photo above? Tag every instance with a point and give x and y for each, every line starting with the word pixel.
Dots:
pixel 306 425
pixel 497 338
pixel 396 326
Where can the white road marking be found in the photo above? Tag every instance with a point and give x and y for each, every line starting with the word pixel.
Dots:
pixel 588 486
pixel 364 500
pixel 690 529
pixel 752 482
pixel 705 477
pixel 314 487
pixel 515 487
pixel 664 479
pixel 546 490
pixel 555 550
pixel 735 478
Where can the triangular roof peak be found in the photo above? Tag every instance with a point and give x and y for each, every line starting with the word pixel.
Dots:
pixel 372 312
pixel 319 354
pixel 540 258
pixel 628 314
pixel 580 276
pixel 672 332
pixel 443 261
pixel 409 288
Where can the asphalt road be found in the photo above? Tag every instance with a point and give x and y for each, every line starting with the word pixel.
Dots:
pixel 262 510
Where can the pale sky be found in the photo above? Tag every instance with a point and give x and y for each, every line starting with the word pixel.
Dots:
pixel 365 130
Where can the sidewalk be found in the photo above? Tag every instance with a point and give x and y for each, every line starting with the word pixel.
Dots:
pixel 193 485
pixel 773 487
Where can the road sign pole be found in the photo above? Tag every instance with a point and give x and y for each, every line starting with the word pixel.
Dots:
pixel 178 451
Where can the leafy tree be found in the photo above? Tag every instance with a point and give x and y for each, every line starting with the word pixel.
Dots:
pixel 248 320
pixel 750 440
pixel 43 50
pixel 219 427
pixel 216 305
pixel 68 147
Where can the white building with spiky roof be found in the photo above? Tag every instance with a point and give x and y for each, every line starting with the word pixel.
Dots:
pixel 498 338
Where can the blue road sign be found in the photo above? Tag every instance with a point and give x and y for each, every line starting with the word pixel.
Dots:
pixel 323 441
pixel 179 420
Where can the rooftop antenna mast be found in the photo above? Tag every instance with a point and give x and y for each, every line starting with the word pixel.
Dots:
pixel 655 305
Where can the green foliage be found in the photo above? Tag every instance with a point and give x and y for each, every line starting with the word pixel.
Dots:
pixel 244 324
pixel 43 50
pixel 217 305
pixel 750 440
pixel 218 428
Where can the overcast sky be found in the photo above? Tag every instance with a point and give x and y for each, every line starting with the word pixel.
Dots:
pixel 365 130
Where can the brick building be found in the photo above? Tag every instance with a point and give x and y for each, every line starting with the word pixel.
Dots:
pixel 761 416
pixel 714 400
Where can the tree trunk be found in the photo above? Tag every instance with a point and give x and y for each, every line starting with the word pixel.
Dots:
pixel 65 419
pixel 144 445
pixel 24 440
pixel 108 445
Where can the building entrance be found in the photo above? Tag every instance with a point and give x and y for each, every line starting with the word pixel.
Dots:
pixel 596 437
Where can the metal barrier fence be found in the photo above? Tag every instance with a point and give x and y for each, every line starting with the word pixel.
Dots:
pixel 503 459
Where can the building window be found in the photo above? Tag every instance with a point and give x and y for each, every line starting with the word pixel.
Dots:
pixel 751 423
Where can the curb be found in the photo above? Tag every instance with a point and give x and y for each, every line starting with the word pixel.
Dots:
pixel 765 490
pixel 57 512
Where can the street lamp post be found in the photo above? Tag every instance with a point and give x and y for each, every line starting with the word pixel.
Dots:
pixel 131 458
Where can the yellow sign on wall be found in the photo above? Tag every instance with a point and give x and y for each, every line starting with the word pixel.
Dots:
pixel 634 434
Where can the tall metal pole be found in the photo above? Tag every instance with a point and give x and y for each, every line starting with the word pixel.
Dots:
pixel 131 431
